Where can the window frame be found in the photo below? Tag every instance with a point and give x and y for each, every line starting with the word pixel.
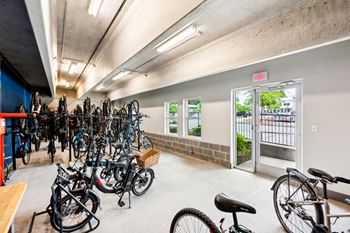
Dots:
pixel 167 118
pixel 186 118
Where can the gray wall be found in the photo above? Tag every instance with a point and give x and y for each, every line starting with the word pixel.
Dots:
pixel 325 73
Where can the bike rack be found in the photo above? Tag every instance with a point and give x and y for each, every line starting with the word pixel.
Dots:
pixel 79 203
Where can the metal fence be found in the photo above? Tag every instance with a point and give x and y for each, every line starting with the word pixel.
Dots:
pixel 276 129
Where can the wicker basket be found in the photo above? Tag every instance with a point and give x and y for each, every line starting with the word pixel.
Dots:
pixel 148 158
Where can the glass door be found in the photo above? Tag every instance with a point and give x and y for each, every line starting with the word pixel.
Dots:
pixel 243 129
pixel 277 134
pixel 266 128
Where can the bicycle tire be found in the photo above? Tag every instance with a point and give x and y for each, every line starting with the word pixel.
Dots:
pixel 76 149
pixel 25 157
pixel 135 107
pixel 319 218
pixel 138 177
pixel 147 142
pixel 194 213
pixel 6 171
pixel 95 203
pixel 37 145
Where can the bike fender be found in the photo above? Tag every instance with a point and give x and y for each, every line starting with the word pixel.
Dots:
pixel 93 192
pixel 151 171
pixel 277 181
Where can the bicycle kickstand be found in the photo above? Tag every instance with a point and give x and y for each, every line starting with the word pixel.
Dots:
pixel 121 203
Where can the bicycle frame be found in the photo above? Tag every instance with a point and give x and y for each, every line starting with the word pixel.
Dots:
pixel 321 201
pixel 327 211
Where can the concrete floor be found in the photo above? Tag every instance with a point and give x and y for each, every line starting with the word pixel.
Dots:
pixel 180 182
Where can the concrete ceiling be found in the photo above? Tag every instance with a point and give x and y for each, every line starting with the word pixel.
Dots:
pixel 124 34
pixel 214 19
pixel 18 44
pixel 79 34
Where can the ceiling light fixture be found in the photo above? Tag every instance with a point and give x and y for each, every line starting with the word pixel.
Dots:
pixel 72 68
pixel 67 84
pixel 121 75
pixel 100 87
pixel 94 7
pixel 178 38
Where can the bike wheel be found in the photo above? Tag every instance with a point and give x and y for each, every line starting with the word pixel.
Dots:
pixel 135 106
pixel 25 157
pixel 290 212
pixel 6 171
pixel 146 143
pixel 191 220
pixel 51 150
pixel 142 181
pixel 37 145
pixel 74 216
pixel 76 149
pixel 63 143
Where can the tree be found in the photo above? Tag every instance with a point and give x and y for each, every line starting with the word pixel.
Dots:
pixel 268 99
pixel 272 99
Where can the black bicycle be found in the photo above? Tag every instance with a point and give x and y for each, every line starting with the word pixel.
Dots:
pixel 190 220
pixel 70 209
pixel 128 177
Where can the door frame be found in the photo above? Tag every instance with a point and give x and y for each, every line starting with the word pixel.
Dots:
pixel 233 150
pixel 270 170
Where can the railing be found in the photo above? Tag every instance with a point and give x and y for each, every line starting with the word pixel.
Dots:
pixel 276 129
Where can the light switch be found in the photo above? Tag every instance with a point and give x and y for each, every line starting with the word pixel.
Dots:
pixel 314 128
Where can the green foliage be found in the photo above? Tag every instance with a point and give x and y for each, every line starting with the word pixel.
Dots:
pixel 195 131
pixel 173 107
pixel 173 129
pixel 269 99
pixel 272 99
pixel 242 144
pixel 198 104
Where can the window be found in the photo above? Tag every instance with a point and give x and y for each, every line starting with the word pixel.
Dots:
pixel 171 117
pixel 192 115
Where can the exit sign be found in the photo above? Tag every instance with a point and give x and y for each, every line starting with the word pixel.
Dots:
pixel 260 76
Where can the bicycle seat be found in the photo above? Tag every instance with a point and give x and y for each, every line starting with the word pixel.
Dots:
pixel 226 204
pixel 321 174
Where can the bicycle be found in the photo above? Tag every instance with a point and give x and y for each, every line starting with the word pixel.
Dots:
pixel 80 143
pixel 70 209
pixel 128 176
pixel 298 205
pixel 21 137
pixel 191 220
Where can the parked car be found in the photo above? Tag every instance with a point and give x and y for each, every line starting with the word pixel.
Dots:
pixel 243 113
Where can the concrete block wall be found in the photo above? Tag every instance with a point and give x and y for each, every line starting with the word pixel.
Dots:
pixel 213 153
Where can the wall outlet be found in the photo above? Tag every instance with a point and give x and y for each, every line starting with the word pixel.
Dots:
pixel 314 128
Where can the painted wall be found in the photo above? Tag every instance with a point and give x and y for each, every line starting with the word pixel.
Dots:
pixel 326 103
pixel 13 92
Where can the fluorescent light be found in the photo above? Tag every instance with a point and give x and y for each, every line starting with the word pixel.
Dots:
pixel 67 84
pixel 72 68
pixel 94 7
pixel 121 75
pixel 177 39
pixel 100 87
